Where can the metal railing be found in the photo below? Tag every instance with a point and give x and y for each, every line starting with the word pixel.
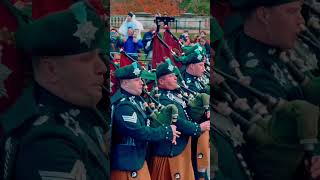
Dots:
pixel 179 24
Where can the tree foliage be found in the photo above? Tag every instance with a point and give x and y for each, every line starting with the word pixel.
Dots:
pixel 171 7
pixel 199 7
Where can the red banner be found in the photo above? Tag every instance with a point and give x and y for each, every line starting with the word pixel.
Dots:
pixel 159 52
pixel 167 38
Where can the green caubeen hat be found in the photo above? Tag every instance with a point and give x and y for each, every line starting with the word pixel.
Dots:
pixel 165 68
pixel 192 58
pixel 73 31
pixel 190 49
pixel 131 71
pixel 247 4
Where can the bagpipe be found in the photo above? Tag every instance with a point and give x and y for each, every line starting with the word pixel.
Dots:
pixel 157 113
pixel 268 122
pixel 197 103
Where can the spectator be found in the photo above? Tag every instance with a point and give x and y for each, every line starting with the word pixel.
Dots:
pixel 147 41
pixel 196 38
pixel 203 42
pixel 132 44
pixel 130 22
pixel 115 40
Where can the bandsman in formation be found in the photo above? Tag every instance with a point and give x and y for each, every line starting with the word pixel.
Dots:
pixel 131 128
pixel 174 161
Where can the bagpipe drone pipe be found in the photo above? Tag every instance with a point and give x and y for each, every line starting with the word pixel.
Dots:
pixel 272 127
pixel 158 114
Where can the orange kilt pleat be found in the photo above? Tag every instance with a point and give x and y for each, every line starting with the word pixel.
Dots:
pixel 142 174
pixel 166 168
pixel 203 147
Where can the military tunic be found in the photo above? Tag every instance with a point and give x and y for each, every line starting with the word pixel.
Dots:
pixel 62 141
pixel 193 83
pixel 131 132
pixel 166 149
pixel 270 75
pixel 200 145
pixel 262 63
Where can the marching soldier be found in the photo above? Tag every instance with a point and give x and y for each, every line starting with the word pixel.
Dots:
pixel 270 27
pixel 131 128
pixel 174 161
pixel 62 136
pixel 200 145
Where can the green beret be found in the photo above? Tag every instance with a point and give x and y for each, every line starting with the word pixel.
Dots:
pixel 165 68
pixel 73 31
pixel 192 58
pixel 129 72
pixel 196 48
pixel 249 4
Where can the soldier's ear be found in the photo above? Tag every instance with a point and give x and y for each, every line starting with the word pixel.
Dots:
pixel 263 15
pixel 161 81
pixel 47 70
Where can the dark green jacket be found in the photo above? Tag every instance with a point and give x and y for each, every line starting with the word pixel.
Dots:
pixel 184 125
pixel 131 132
pixel 60 140
pixel 262 63
pixel 193 83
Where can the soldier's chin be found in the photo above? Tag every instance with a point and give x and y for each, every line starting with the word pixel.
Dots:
pixel 139 92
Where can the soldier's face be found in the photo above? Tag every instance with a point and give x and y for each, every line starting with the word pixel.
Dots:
pixel 168 81
pixel 197 69
pixel 80 78
pixel 133 86
pixel 283 24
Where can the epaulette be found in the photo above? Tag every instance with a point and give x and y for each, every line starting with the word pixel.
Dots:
pixel 116 97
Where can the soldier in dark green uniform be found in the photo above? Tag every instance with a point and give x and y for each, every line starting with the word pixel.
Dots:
pixel 271 26
pixel 62 134
pixel 200 145
pixel 131 127
pixel 174 162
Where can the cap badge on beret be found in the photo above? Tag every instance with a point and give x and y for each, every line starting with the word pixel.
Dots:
pixel 170 66
pixel 199 57
pixel 200 48
pixel 4 74
pixel 85 29
pixel 136 69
